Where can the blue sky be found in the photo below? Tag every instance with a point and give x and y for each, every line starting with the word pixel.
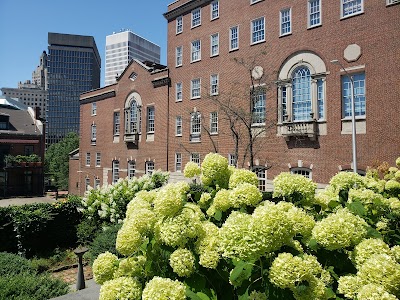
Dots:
pixel 24 25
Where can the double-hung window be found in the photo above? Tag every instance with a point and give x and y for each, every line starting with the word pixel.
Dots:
pixel 115 171
pixel 94 108
pixel 195 157
pixel 261 175
pixel 88 159
pixel 314 13
pixel 359 95
pixel 214 44
pixel 87 183
pixel 150 119
pixel 214 9
pixel 214 84
pixel 195 88
pixel 178 91
pixel 196 51
pixel 214 122
pixel 195 126
pixel 98 159
pixel 149 167
pixel 351 7
pixel 97 183
pixel 196 17
pixel 258 30
pixel 178 162
pixel 286 21
pixel 233 38
pixel 131 169
pixel 178 126
pixel 178 54
pixel 258 107
pixel 116 122
pixel 232 160
pixel 179 24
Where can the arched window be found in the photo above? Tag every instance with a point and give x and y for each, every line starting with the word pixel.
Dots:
pixel 301 86
pixel 133 119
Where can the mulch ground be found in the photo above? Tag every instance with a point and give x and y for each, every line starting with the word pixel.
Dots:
pixel 69 275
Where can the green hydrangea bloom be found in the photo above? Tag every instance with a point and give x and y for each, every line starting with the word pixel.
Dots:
pixel 294 187
pixel 191 170
pixel 245 194
pixel 374 292
pixel 104 267
pixel 215 170
pixel 135 204
pixel 208 245
pixel 368 247
pixel 128 239
pixel 240 176
pixel 121 288
pixel 221 202
pixel 164 288
pixel 340 230
pixel 324 197
pixel 205 200
pixel 365 196
pixel 393 187
pixel 349 285
pixel 394 205
pixel 142 219
pixel 182 262
pixel 398 162
pixel 254 295
pixel 170 199
pixel 343 181
pixel 131 267
pixel 396 252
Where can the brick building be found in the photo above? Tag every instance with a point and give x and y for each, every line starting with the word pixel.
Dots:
pixel 264 69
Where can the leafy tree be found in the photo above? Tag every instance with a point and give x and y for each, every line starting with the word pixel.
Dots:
pixel 57 159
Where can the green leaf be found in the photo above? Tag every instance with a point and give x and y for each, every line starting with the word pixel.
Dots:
pixel 373 233
pixel 202 296
pixel 330 293
pixel 333 204
pixel 218 215
pixel 313 245
pixel 357 208
pixel 331 270
pixel 242 270
pixel 192 295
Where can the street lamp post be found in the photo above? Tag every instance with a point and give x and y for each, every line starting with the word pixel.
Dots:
pixel 353 117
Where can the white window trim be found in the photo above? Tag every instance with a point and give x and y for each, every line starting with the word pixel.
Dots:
pixel 191 89
pixel 211 10
pixel 180 162
pixel 392 2
pixel 280 22
pixel 88 159
pixel 230 38
pixel 297 169
pixel 94 108
pixel 211 85
pixel 176 92
pixel 149 170
pixel 211 45
pixel 176 125
pixel 176 56
pixel 254 1
pixel 176 27
pixel 149 108
pixel 309 26
pixel 191 52
pixel 251 32
pixel 352 15
pixel 192 159
pixel 98 159
pixel 211 122
pixel 191 23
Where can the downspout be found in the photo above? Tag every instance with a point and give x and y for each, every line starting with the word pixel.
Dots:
pixel 169 87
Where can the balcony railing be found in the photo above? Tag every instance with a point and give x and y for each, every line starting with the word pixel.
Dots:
pixel 300 129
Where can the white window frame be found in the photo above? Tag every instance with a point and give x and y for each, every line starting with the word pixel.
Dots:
pixel 151 119
pixel 133 121
pixel 94 108
pixel 310 13
pixel 262 178
pixel 232 160
pixel 87 163
pixel 195 85
pixel 179 25
pixel 96 183
pixel 195 157
pixel 252 41
pixel 259 95
pixel 87 183
pixel 392 2
pixel 178 56
pixel 342 10
pixel 306 172
pixel 214 122
pixel 214 44
pixel 346 113
pixel 98 159
pixel 178 162
pixel 214 84
pixel 281 22
pixel 149 167
pixel 195 127
pixel 254 1
pixel 214 10
pixel 178 92
pixel 131 168
pixel 178 126
pixel 231 39
pixel 195 51
pixel 115 171
pixel 196 20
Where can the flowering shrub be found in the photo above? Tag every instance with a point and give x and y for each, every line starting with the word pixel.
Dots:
pixel 191 170
pixel 220 240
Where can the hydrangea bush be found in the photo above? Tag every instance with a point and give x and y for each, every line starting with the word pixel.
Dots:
pixel 220 240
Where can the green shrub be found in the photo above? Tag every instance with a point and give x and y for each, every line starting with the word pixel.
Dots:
pixel 27 286
pixel 11 264
pixel 8 239
pixel 86 231
pixel 104 241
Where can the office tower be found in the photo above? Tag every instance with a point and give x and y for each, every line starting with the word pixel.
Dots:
pixel 124 46
pixel 39 76
pixel 73 68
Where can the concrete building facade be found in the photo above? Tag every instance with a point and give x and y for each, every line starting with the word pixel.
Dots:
pixel 124 46
pixel 73 68
pixel 260 70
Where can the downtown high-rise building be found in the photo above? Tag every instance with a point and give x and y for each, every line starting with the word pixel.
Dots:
pixel 124 46
pixel 73 68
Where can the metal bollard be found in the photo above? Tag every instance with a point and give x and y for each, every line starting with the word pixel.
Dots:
pixel 80 280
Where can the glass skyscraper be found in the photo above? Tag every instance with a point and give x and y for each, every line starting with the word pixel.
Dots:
pixel 73 68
